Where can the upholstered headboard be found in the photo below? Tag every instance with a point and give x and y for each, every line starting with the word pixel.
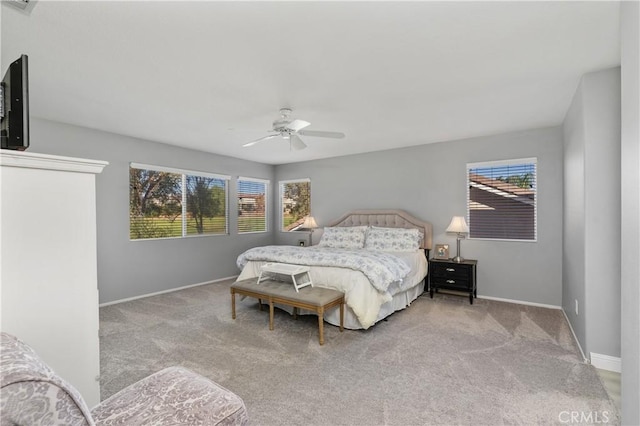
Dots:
pixel 387 218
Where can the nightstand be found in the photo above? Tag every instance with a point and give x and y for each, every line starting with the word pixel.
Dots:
pixel 449 275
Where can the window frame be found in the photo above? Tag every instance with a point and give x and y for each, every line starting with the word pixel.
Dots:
pixel 266 183
pixel 281 201
pixel 502 163
pixel 185 173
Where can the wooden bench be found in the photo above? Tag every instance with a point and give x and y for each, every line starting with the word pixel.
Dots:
pixel 316 299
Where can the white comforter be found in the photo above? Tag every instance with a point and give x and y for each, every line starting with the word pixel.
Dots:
pixel 360 294
pixel 381 268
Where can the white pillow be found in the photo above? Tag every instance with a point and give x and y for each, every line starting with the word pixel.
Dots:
pixel 393 239
pixel 347 237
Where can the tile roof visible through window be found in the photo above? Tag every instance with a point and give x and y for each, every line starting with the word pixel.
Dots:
pixel 505 189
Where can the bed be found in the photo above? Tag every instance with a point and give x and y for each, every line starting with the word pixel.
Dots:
pixel 378 258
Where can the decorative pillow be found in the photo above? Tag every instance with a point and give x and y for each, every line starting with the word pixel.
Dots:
pixel 348 237
pixel 393 239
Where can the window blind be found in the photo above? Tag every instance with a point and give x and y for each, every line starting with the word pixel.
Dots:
pixel 252 202
pixel 169 203
pixel 502 199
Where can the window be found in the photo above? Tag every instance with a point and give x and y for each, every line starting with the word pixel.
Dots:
pixel 252 202
pixel 166 203
pixel 295 203
pixel 501 202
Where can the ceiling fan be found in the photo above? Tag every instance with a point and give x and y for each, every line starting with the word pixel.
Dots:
pixel 289 129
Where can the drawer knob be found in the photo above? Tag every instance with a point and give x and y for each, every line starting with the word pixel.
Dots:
pixel 451 281
pixel 450 270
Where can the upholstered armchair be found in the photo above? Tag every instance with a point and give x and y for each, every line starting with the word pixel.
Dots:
pixel 32 394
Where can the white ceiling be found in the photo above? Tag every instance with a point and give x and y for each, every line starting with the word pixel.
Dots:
pixel 213 75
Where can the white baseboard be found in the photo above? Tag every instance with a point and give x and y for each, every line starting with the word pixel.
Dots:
pixel 575 338
pixel 606 362
pixel 520 302
pixel 171 290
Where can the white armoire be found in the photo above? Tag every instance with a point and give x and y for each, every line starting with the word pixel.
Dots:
pixel 48 266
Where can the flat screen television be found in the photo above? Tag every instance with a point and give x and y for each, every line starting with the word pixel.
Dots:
pixel 14 108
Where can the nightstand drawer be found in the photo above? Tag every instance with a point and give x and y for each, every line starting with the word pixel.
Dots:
pixel 463 283
pixel 451 270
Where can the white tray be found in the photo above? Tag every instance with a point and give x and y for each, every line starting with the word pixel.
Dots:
pixel 287 269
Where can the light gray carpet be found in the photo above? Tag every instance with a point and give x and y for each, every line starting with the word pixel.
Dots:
pixel 441 361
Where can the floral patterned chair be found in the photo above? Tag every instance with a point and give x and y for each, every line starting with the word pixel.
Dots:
pixel 32 394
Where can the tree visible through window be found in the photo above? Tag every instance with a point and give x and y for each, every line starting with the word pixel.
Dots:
pixel 167 203
pixel 502 200
pixel 206 205
pixel 295 203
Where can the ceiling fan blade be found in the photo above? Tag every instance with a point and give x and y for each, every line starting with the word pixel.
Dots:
pixel 296 142
pixel 260 140
pixel 322 134
pixel 297 125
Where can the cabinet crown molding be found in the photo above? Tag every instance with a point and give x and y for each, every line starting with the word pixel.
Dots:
pixel 34 160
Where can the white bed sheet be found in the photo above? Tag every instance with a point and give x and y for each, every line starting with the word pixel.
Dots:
pixel 363 301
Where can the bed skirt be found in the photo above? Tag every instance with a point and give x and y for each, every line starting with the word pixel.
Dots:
pixel 399 302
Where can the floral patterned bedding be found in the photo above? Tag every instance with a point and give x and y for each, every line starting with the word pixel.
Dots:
pixel 380 268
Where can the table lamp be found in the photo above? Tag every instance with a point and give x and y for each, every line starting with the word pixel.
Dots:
pixel 459 226
pixel 309 224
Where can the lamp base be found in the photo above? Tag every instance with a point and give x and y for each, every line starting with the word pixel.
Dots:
pixel 458 258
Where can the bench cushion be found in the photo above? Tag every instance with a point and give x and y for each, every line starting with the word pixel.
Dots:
pixel 314 296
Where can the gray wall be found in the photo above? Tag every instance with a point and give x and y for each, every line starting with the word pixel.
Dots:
pixel 429 181
pixel 132 268
pixel 630 40
pixel 573 250
pixel 591 254
pixel 602 211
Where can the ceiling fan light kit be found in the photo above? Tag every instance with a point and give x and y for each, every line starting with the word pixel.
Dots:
pixel 289 129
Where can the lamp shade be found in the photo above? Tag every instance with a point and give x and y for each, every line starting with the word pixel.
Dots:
pixel 458 225
pixel 309 223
